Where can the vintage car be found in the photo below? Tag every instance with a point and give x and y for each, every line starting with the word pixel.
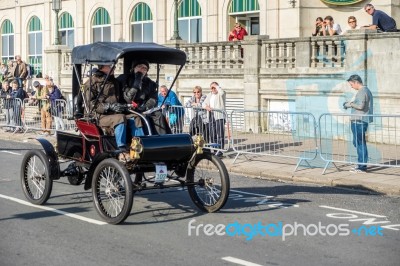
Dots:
pixel 90 154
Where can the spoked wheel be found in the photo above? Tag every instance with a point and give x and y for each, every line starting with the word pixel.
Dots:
pixel 212 189
pixel 35 177
pixel 112 191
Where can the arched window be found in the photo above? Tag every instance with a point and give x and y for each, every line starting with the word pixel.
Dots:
pixel 35 44
pixel 67 30
pixel 142 23
pixel 189 20
pixel 101 26
pixel 247 13
pixel 7 41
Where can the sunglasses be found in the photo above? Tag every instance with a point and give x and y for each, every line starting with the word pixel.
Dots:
pixel 368 9
pixel 196 92
pixel 353 21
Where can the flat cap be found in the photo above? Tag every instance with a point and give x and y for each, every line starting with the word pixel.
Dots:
pixel 36 83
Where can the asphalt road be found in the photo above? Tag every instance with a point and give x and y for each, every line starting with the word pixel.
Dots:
pixel 264 222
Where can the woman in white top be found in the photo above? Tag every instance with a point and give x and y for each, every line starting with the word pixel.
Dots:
pixel 215 105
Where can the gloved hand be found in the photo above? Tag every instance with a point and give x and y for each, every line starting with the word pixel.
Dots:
pixel 138 80
pixel 141 108
pixel 115 107
pixel 129 94
pixel 346 105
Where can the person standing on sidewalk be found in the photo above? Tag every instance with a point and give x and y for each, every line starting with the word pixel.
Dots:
pixel 361 110
pixel 215 103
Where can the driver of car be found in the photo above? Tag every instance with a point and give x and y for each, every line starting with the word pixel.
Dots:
pixel 140 91
pixel 110 109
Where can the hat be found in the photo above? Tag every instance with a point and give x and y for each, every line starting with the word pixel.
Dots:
pixel 355 78
pixel 140 62
pixel 36 83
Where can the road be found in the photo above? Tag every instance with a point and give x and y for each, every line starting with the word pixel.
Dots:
pixel 165 228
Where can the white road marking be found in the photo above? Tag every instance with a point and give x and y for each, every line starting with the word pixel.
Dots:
pixel 240 262
pixel 75 216
pixel 248 193
pixel 10 152
pixel 357 212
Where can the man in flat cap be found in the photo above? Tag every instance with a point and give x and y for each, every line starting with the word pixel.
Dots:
pixel 361 110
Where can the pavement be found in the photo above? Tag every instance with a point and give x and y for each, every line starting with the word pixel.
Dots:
pixel 377 180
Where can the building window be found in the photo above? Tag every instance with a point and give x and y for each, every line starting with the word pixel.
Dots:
pixel 247 13
pixel 67 30
pixel 7 41
pixel 101 26
pixel 35 44
pixel 142 24
pixel 189 20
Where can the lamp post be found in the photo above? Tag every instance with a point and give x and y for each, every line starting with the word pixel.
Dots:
pixel 56 7
pixel 176 27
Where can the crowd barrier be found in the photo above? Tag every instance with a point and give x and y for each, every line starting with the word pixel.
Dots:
pixel 212 125
pixel 336 140
pixel 35 115
pixel 282 134
pixel 11 114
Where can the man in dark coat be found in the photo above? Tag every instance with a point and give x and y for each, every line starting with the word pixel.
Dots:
pixel 139 90
pixel 109 108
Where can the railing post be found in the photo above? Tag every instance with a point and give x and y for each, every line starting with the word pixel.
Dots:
pixel 251 69
pixel 357 52
pixel 54 63
pixel 303 53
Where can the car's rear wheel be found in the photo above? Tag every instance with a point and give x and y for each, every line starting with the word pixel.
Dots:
pixel 35 177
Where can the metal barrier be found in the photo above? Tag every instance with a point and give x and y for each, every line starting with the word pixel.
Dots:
pixel 42 115
pixel 338 144
pixel 213 125
pixel 11 114
pixel 283 134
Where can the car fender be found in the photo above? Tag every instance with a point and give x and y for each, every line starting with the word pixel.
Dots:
pixel 53 158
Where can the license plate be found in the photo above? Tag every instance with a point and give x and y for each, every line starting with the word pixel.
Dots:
pixel 161 173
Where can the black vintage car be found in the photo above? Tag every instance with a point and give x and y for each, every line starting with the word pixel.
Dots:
pixel 158 161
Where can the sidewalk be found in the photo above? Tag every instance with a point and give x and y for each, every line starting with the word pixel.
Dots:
pixel 377 180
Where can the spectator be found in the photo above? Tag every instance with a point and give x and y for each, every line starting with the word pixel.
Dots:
pixel 3 71
pixel 17 93
pixel 29 78
pixel 7 107
pixel 141 91
pixel 331 28
pixel 238 33
pixel 56 104
pixel 319 27
pixel 48 80
pixel 380 20
pixel 361 107
pixel 109 109
pixel 352 24
pixel 19 71
pixel 196 102
pixel 215 105
pixel 39 98
pixel 170 104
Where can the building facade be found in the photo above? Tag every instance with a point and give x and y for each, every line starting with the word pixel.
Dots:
pixel 28 26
